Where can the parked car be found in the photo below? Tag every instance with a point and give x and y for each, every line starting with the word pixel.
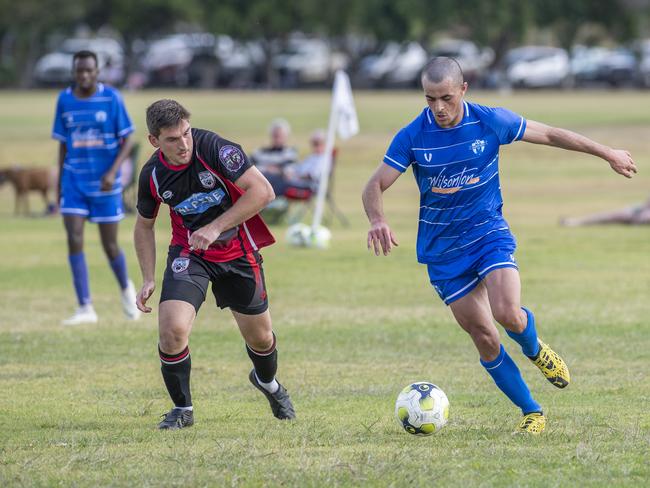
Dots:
pixel 473 60
pixel 394 66
pixel 307 61
pixel 406 70
pixel 537 67
pixel 183 60
pixel 55 68
pixel 242 65
pixel 600 65
pixel 373 67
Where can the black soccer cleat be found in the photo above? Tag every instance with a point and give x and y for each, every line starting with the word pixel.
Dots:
pixel 280 402
pixel 177 418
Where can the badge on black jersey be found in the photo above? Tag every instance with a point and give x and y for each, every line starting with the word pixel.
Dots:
pixel 207 180
pixel 231 157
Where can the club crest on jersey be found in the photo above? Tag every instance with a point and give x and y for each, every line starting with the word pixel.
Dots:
pixel 231 157
pixel 478 146
pixel 101 116
pixel 180 264
pixel 207 180
pixel 167 194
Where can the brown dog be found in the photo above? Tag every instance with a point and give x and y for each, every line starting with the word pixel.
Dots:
pixel 24 180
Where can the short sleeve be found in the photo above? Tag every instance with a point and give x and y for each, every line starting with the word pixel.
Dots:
pixel 508 126
pixel 399 154
pixel 58 129
pixel 225 156
pixel 148 201
pixel 124 126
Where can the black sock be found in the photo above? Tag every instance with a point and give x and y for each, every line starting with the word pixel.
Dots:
pixel 175 370
pixel 264 362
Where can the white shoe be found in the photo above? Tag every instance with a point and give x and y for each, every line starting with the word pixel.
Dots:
pixel 85 314
pixel 128 302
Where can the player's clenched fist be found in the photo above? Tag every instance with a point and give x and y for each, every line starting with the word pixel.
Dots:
pixel 202 238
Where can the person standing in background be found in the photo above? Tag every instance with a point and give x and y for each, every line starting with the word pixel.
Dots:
pixel 93 128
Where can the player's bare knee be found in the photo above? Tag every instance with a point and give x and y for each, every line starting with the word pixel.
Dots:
pixel 261 340
pixel 172 338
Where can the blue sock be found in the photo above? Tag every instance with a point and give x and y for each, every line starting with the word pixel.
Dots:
pixel 528 338
pixel 80 277
pixel 506 375
pixel 118 265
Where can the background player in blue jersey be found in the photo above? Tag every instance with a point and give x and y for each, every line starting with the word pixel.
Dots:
pixel 94 129
pixel 453 148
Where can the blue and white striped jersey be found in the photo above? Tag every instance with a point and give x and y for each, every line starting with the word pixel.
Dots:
pixel 91 128
pixel 457 172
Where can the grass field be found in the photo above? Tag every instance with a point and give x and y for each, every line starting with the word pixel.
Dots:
pixel 79 405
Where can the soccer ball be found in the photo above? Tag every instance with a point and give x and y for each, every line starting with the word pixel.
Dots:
pixel 302 235
pixel 422 408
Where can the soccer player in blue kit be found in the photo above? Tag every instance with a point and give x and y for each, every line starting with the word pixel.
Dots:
pixel 453 148
pixel 93 128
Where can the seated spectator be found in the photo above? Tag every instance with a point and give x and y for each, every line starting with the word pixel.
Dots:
pixel 309 169
pixel 635 215
pixel 299 180
pixel 272 159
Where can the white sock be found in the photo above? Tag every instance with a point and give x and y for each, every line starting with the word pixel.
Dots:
pixel 271 387
pixel 184 408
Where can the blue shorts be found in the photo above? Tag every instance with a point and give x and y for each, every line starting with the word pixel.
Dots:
pixel 98 207
pixel 473 267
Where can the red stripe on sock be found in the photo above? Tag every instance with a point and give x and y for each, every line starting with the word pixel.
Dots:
pixel 178 357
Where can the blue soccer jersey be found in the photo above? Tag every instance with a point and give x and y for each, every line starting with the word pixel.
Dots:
pixel 91 128
pixel 457 172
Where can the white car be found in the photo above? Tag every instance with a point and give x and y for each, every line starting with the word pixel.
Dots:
pixel 55 69
pixel 394 66
pixel 307 61
pixel 538 67
pixel 473 60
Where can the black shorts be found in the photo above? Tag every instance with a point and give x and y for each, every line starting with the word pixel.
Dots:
pixel 237 284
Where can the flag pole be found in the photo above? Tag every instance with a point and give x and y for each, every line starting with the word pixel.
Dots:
pixel 327 164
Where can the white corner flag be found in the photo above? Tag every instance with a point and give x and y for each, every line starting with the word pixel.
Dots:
pixel 346 120
pixel 343 120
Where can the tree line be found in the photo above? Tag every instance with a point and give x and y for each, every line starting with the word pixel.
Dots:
pixel 25 26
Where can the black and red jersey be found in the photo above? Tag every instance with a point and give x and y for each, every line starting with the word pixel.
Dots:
pixel 199 192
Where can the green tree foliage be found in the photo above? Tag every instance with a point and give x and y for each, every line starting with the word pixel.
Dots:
pixel 26 25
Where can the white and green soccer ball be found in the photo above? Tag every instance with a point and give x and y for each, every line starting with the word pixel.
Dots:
pixel 302 235
pixel 422 408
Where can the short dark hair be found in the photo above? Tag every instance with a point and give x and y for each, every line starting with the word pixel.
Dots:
pixel 83 55
pixel 165 113
pixel 442 67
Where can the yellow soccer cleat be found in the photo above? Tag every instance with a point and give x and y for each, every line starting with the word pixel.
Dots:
pixel 552 366
pixel 532 423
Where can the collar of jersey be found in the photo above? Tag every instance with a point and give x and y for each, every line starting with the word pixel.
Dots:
pixel 465 116
pixel 173 167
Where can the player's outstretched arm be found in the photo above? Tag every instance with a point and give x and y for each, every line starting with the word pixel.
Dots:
pixel 380 236
pixel 620 160
pixel 258 193
pixel 144 240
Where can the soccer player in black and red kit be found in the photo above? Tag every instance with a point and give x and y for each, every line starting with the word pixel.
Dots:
pixel 214 195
